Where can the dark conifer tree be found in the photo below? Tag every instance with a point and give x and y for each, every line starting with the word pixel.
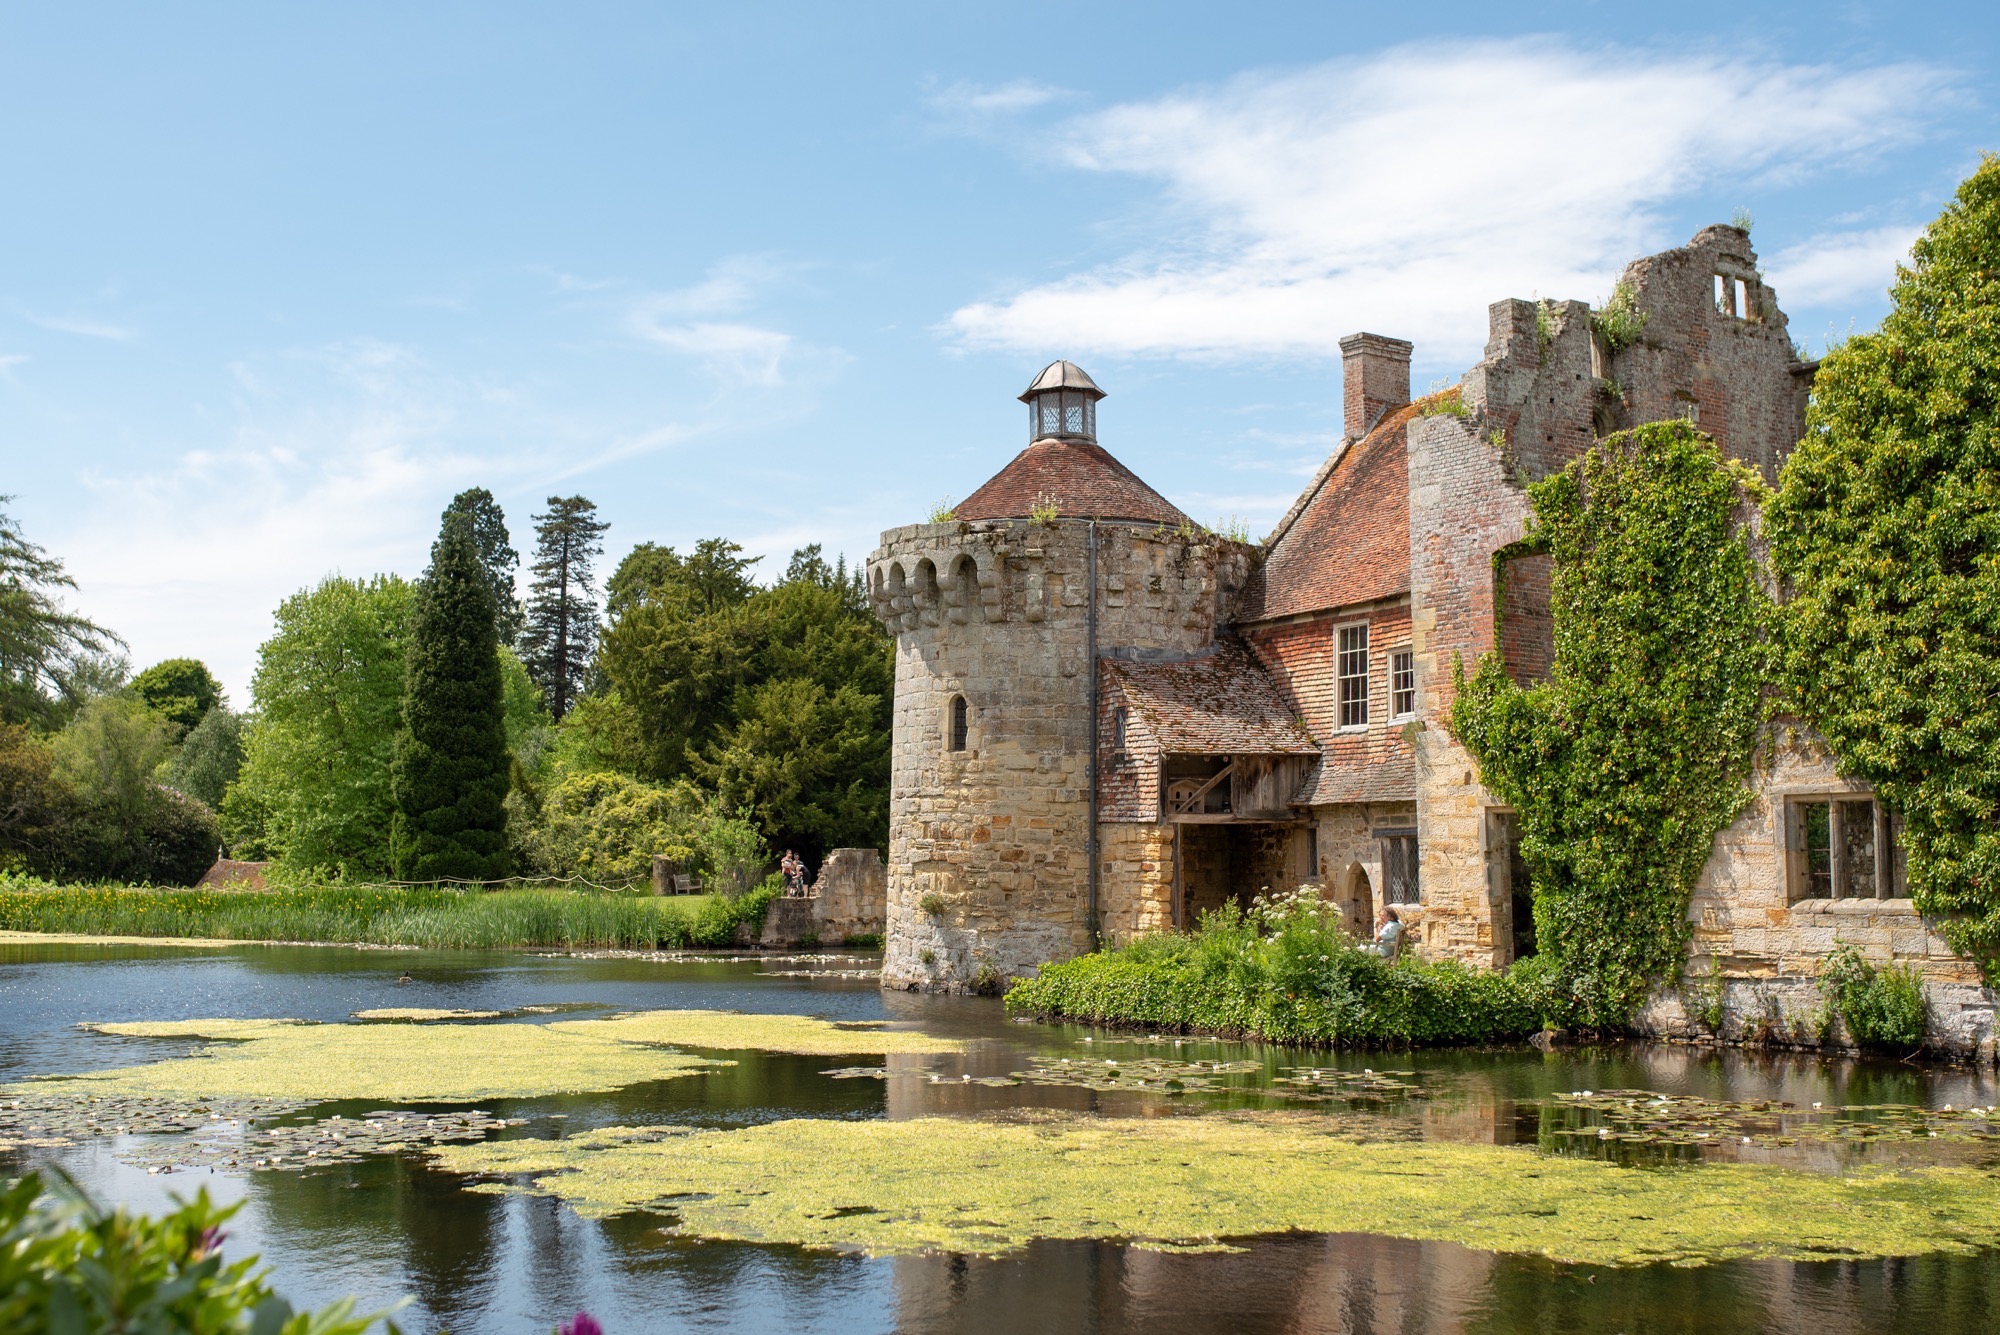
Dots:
pixel 496 555
pixel 561 629
pixel 450 769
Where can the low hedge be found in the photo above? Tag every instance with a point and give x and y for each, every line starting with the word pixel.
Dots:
pixel 1284 971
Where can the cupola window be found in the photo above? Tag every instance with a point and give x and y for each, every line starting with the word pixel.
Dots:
pixel 1062 404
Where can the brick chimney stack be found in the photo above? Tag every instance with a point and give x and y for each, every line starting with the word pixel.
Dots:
pixel 1375 377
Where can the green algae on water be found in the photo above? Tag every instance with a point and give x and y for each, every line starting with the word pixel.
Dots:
pixel 386 1063
pixel 990 1187
pixel 728 1031
pixel 444 1062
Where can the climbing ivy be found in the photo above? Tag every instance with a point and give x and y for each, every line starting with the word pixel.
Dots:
pixel 1627 762
pixel 1886 531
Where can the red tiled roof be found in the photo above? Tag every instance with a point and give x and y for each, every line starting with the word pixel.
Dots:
pixel 1080 478
pixel 1392 778
pixel 1348 539
pixel 1221 703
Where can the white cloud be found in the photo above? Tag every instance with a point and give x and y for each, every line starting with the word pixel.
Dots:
pixel 10 360
pixel 738 352
pixel 1005 99
pixel 84 326
pixel 1405 191
pixel 1840 266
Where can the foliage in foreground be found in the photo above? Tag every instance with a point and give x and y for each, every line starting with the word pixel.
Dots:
pixel 1627 762
pixel 1287 972
pixel 67 1265
pixel 1881 1006
pixel 1886 528
pixel 427 916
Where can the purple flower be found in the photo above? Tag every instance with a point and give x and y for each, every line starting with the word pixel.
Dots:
pixel 583 1323
pixel 210 1241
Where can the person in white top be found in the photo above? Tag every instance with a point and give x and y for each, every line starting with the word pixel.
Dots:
pixel 1388 935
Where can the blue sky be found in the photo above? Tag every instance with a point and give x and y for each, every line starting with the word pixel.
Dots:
pixel 277 281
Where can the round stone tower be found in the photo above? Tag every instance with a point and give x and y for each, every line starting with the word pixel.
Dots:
pixel 1064 557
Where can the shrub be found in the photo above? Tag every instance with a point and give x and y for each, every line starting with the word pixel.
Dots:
pixel 1286 971
pixel 68 1265
pixel 1881 1007
pixel 932 904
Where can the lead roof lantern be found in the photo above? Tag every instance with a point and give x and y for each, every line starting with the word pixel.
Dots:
pixel 1062 404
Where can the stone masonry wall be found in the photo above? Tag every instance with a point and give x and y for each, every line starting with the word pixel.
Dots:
pixel 1546 388
pixel 988 874
pixel 850 895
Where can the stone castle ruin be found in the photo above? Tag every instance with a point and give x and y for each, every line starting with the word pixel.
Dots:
pixel 1109 719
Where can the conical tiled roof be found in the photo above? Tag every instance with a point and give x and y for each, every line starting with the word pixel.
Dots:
pixel 1078 477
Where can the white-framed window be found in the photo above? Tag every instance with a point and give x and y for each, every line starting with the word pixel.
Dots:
pixel 1351 674
pixel 1402 683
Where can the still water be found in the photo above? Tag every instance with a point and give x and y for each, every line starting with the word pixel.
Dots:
pixel 477 1264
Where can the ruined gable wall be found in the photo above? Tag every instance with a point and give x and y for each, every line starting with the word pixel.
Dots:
pixel 1547 387
pixel 995 611
pixel 1731 370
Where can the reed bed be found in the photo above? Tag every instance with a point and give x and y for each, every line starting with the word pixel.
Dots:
pixel 437 917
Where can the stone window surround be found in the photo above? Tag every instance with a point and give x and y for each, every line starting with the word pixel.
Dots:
pixel 1838 791
pixel 1408 655
pixel 958 732
pixel 1340 679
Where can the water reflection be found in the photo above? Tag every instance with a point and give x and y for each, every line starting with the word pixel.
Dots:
pixel 481 1264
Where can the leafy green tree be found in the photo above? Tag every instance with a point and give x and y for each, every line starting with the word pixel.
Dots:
pixel 208 759
pixel 44 648
pixel 606 828
pixel 180 690
pixel 560 630
pixel 1635 753
pixel 779 698
pixel 1886 531
pixel 127 826
pixel 38 811
pixel 314 793
pixel 450 767
pixel 496 555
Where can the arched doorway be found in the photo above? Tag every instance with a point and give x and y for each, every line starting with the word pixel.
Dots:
pixel 1356 898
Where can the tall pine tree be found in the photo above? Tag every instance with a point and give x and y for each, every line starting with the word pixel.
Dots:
pixel 496 555
pixel 561 629
pixel 450 770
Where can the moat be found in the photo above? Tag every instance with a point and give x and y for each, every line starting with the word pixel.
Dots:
pixel 388 1224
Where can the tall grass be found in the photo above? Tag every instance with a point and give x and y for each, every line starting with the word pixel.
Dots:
pixel 431 916
pixel 1286 971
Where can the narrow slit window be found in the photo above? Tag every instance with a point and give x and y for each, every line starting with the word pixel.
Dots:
pixel 1724 295
pixel 1742 300
pixel 1118 720
pixel 960 725
pixel 1402 683
pixel 1352 669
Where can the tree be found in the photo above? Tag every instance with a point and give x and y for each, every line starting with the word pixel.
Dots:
pixel 497 556
pixel 779 697
pixel 209 758
pixel 560 630
pixel 315 793
pixel 37 809
pixel 450 768
pixel 1886 532
pixel 180 690
pixel 44 647
pixel 128 827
